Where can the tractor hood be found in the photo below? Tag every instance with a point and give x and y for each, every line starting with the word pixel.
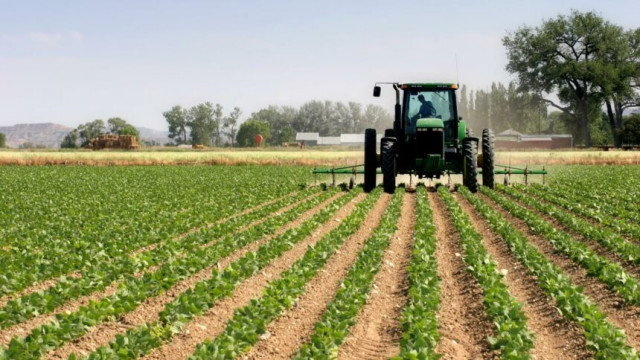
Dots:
pixel 429 123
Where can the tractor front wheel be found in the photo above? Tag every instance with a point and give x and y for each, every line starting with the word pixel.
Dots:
pixel 389 165
pixel 488 155
pixel 370 159
pixel 470 167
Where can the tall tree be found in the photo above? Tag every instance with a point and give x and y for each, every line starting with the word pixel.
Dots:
pixel 201 123
pixel 3 139
pixel 230 122
pixel 463 103
pixel 70 140
pixel 177 120
pixel 90 130
pixel 563 55
pixel 116 124
pixel 218 122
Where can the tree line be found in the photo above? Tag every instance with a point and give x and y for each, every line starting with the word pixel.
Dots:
pixel 589 65
pixel 206 124
pixel 82 135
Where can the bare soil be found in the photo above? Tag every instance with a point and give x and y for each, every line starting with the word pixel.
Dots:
pixel 213 322
pixel 295 326
pixel 149 310
pixel 555 337
pixel 462 320
pixel 620 314
pixel 377 332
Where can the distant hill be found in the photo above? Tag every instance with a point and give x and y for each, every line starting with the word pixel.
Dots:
pixel 159 136
pixel 48 135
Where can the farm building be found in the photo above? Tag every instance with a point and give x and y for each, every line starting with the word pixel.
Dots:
pixel 307 139
pixel 314 139
pixel 511 139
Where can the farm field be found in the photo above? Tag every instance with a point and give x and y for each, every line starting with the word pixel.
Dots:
pixel 256 262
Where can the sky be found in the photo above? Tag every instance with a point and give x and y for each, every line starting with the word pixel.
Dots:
pixel 71 62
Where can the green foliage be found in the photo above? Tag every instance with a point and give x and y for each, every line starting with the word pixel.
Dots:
pixel 206 293
pixel 607 341
pixel 631 130
pixel 202 124
pixel 582 57
pixel 177 120
pixel 70 140
pixel 134 290
pixel 512 337
pixel 3 139
pixel 250 129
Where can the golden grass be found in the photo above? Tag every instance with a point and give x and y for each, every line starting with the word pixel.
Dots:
pixel 304 157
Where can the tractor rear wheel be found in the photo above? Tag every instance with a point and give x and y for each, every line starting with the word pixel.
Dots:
pixel 470 166
pixel 488 156
pixel 389 165
pixel 370 159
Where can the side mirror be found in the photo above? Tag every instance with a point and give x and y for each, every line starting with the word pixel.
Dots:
pixel 376 91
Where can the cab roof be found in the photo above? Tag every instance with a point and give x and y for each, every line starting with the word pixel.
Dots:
pixel 434 86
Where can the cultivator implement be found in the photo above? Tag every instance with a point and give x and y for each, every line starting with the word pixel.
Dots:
pixel 506 170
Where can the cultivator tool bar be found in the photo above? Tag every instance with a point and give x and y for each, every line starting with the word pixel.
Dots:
pixel 506 170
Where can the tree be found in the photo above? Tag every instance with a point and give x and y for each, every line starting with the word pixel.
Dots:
pixel 201 123
pixel 3 139
pixel 250 129
pixel 230 122
pixel 218 120
pixel 90 130
pixel 129 129
pixel 177 120
pixel 618 78
pixel 377 117
pixel 116 124
pixel 630 133
pixel 563 55
pixel 70 140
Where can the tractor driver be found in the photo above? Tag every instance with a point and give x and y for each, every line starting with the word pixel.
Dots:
pixel 426 109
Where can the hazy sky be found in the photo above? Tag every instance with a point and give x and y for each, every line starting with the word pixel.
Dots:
pixel 74 61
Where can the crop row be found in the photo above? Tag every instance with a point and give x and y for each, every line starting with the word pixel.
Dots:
pixel 603 184
pixel 98 276
pixel 249 322
pixel 135 290
pixel 205 294
pixel 419 323
pixel 609 239
pixel 576 202
pixel 61 214
pixel 513 338
pixel 610 273
pixel 340 314
pixel 597 205
pixel 607 341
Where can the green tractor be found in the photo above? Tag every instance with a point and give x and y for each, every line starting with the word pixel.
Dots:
pixel 428 140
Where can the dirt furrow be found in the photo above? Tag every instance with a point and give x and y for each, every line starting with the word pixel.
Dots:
pixel 295 326
pixel 149 310
pixel 629 267
pixel 622 315
pixel 213 322
pixel 555 337
pixel 377 333
pixel 26 327
pixel 462 320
